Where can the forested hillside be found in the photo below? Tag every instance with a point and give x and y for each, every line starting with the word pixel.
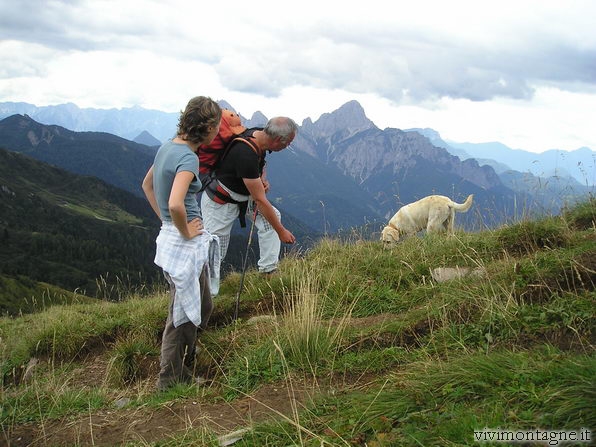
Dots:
pixel 74 232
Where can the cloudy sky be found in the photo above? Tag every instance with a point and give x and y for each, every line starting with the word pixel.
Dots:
pixel 520 72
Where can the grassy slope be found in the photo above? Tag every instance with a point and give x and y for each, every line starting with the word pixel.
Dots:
pixel 513 349
pixel 37 295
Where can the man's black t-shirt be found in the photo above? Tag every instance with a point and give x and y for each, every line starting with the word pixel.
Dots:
pixel 240 162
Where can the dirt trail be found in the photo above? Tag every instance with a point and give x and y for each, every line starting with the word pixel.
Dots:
pixel 110 427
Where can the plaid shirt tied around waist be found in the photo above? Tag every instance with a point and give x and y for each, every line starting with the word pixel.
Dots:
pixel 183 260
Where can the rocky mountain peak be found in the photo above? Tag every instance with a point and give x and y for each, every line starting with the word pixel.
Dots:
pixel 433 136
pixel 429 133
pixel 258 119
pixel 225 105
pixel 147 139
pixel 349 119
pixel 33 133
pixel 20 120
pixel 306 122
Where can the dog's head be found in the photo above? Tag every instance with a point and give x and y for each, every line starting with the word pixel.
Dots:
pixel 389 235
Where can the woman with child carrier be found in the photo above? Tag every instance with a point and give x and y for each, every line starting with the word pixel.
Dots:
pixel 187 254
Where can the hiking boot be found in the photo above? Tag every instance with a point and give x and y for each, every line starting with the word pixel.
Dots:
pixel 198 381
pixel 270 274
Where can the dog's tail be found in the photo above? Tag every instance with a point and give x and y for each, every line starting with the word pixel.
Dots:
pixel 463 207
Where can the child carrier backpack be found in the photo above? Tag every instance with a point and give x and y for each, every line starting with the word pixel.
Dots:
pixel 209 154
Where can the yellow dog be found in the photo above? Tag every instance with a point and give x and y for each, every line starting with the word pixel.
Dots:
pixel 433 213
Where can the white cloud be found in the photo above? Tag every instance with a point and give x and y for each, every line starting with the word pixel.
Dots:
pixel 474 71
pixel 113 79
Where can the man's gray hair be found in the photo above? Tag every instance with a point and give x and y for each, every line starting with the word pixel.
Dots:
pixel 281 127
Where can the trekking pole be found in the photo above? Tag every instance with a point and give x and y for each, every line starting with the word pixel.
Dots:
pixel 252 228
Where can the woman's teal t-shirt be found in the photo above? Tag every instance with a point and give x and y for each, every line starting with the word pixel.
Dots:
pixel 170 159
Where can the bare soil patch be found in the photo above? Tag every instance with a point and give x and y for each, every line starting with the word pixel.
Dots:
pixel 113 426
pixel 108 428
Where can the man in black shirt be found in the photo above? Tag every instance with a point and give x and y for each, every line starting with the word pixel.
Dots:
pixel 240 178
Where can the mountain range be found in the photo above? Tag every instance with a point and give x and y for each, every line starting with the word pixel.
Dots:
pixel 341 171
pixel 127 123
pixel 73 211
pixel 151 127
pixel 579 164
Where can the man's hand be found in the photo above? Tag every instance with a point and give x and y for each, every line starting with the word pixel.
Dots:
pixel 257 191
pixel 286 237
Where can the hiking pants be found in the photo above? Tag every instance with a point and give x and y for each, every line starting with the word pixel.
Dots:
pixel 218 219
pixel 178 344
pixel 269 243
